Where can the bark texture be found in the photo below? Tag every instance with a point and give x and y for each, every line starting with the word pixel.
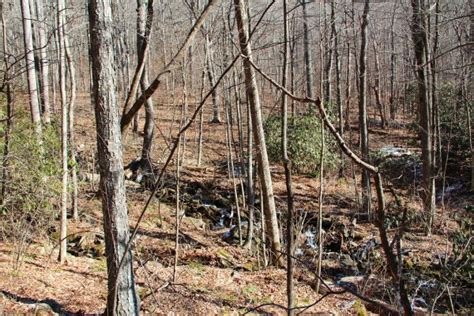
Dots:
pixel 273 232
pixel 30 67
pixel 122 298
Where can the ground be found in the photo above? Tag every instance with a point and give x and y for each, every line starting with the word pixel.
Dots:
pixel 214 275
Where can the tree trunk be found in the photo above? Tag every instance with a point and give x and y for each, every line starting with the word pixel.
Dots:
pixel 424 112
pixel 259 136
pixel 30 68
pixel 393 63
pixel 64 129
pixel 363 130
pixel 71 120
pixel 308 60
pixel 10 110
pixel 122 298
pixel 287 165
pixel 144 24
pixel 216 115
pixel 377 87
pixel 44 62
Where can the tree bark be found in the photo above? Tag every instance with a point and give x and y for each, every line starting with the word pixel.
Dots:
pixel 144 24
pixel 287 166
pixel 363 130
pixel 122 298
pixel 424 110
pixel 308 60
pixel 64 129
pixel 44 61
pixel 259 136
pixel 30 68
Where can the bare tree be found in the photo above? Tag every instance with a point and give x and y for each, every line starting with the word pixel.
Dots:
pixel 122 298
pixel 44 60
pixel 258 133
pixel 363 130
pixel 287 165
pixel 30 68
pixel 144 24
pixel 64 128
pixel 424 111
pixel 308 60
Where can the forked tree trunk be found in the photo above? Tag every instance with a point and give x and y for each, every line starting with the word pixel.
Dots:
pixel 30 69
pixel 122 298
pixel 273 232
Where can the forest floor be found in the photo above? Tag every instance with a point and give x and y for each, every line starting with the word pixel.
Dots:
pixel 214 274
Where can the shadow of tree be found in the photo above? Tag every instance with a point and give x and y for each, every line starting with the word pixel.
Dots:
pixel 53 304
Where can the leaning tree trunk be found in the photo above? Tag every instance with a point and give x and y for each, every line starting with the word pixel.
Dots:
pixel 424 111
pixel 144 24
pixel 259 136
pixel 363 130
pixel 122 298
pixel 30 68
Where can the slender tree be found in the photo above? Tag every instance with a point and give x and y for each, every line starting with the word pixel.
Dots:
pixel 424 110
pixel 122 298
pixel 64 128
pixel 30 68
pixel 308 59
pixel 44 60
pixel 287 165
pixel 258 133
pixel 363 129
pixel 144 24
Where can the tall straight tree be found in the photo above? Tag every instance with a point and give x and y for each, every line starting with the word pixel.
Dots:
pixel 44 62
pixel 308 60
pixel 424 110
pixel 287 165
pixel 30 68
pixel 363 130
pixel 122 297
pixel 64 127
pixel 268 198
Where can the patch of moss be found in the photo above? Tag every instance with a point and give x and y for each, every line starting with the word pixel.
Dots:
pixel 360 309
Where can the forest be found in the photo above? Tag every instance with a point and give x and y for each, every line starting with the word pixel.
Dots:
pixel 211 157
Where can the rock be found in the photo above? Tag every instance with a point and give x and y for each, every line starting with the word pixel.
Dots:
pixel 89 177
pixel 197 222
pixel 347 262
pixel 132 185
pixel 399 165
pixel 43 309
pixel 87 244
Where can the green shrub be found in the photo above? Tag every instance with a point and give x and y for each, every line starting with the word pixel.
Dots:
pixel 453 120
pixel 304 144
pixel 33 187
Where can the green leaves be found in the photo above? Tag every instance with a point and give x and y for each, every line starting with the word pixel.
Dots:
pixel 304 144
